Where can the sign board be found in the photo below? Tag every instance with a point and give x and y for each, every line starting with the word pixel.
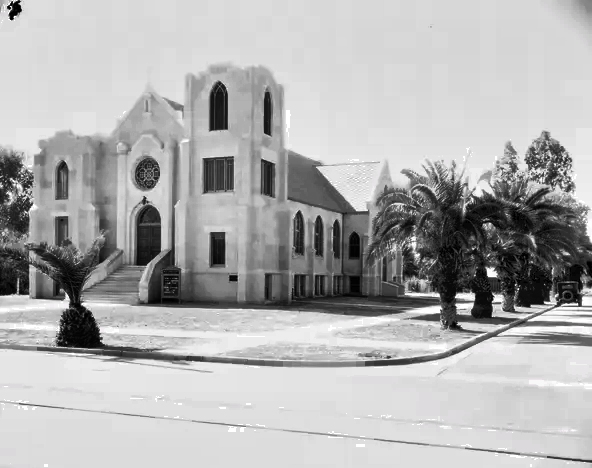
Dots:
pixel 171 283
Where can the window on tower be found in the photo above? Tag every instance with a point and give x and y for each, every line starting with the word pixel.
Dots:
pixel 267 178
pixel 62 181
pixel 218 107
pixel 218 175
pixel 267 113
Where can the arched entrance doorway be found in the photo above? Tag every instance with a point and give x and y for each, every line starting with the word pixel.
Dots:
pixel 148 235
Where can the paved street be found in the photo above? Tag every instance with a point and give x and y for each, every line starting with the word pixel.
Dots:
pixel 527 392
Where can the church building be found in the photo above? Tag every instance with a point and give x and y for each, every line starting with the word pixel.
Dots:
pixel 209 186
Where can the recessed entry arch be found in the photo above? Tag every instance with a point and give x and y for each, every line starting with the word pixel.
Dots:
pixel 148 235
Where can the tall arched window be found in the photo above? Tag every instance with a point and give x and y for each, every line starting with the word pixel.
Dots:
pixel 62 181
pixel 299 234
pixel 318 240
pixel 218 107
pixel 354 245
pixel 267 113
pixel 336 239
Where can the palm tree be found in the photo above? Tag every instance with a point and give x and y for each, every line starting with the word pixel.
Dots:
pixel 71 269
pixel 554 242
pixel 480 286
pixel 440 214
pixel 530 230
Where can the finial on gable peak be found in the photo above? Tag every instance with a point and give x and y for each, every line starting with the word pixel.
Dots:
pixel 148 89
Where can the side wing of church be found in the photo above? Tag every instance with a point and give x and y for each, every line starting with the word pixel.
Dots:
pixel 209 187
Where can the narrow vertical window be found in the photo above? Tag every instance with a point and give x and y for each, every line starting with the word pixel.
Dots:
pixel 62 181
pixel 384 266
pixel 61 230
pixel 218 107
pixel 267 113
pixel 299 234
pixel 218 249
pixel 336 239
pixel 267 178
pixel 318 241
pixel 147 105
pixel 354 245
pixel 218 175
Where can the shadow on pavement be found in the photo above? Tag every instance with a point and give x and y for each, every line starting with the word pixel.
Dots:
pixel 175 365
pixel 555 323
pixel 468 319
pixel 129 348
pixel 567 339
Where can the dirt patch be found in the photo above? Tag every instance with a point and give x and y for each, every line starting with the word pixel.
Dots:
pixel 306 352
pixel 407 331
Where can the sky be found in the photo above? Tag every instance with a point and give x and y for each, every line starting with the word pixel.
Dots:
pixel 373 80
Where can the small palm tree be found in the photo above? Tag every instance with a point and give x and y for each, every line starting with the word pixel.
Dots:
pixel 440 214
pixel 554 242
pixel 480 286
pixel 71 269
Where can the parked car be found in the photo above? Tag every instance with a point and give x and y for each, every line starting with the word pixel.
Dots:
pixel 568 292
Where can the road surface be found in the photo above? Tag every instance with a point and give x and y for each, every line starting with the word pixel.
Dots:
pixel 523 399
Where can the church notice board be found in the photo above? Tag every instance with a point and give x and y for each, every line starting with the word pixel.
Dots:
pixel 171 283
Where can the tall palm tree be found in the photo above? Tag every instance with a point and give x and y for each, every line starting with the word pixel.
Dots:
pixel 528 231
pixel 440 214
pixel 71 269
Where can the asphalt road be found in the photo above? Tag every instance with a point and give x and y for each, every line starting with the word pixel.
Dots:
pixel 523 399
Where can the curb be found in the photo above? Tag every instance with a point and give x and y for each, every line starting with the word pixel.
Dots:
pixel 281 363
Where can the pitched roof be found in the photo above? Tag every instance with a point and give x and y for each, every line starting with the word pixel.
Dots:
pixel 306 184
pixel 344 188
pixel 354 181
pixel 174 105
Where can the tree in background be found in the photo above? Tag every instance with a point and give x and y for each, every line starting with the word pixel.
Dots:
pixel 16 198
pixel 549 163
pixel 16 192
pixel 507 168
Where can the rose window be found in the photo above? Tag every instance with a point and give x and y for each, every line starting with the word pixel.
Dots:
pixel 147 174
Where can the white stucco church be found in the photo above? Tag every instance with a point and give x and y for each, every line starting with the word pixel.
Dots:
pixel 210 187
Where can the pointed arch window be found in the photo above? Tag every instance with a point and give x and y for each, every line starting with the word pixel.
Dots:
pixel 62 173
pixel 267 113
pixel 336 239
pixel 318 240
pixel 354 245
pixel 218 107
pixel 299 234
pixel 147 105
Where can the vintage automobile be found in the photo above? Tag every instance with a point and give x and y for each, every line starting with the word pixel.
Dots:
pixel 567 292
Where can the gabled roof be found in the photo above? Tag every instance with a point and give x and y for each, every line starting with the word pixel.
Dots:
pixel 345 188
pixel 355 182
pixel 306 184
pixel 175 105
pixel 172 107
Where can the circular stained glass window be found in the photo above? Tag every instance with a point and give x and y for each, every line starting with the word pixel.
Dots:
pixel 147 173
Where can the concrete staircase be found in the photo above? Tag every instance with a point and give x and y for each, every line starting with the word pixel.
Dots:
pixel 120 287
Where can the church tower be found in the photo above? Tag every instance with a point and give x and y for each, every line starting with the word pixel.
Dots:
pixel 231 233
